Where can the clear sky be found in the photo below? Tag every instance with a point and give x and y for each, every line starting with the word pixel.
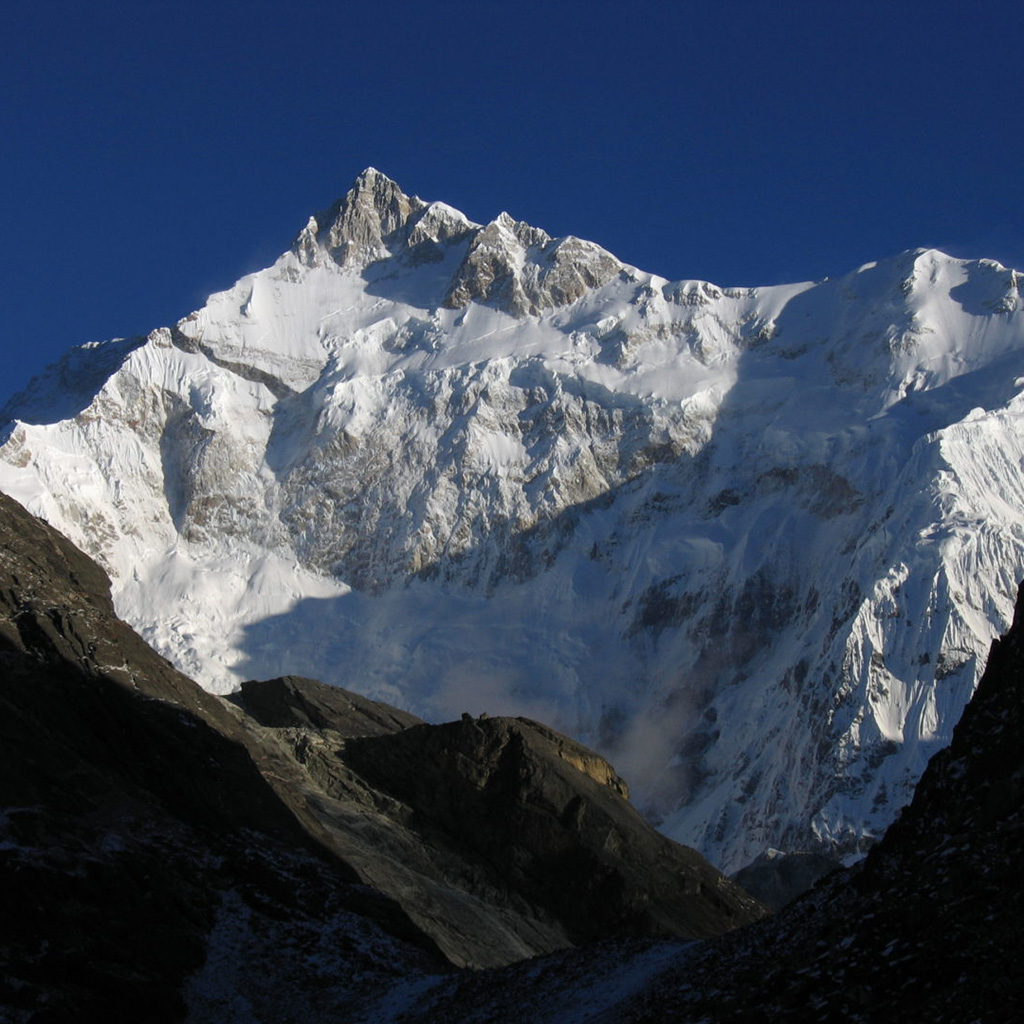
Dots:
pixel 152 152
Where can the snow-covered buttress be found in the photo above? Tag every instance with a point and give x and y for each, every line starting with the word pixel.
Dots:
pixel 752 544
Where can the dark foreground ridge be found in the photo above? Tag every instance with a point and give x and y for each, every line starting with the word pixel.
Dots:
pixel 300 854
pixel 927 928
pixel 146 866
pixel 303 853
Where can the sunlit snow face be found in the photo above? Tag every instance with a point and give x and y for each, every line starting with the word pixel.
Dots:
pixel 752 542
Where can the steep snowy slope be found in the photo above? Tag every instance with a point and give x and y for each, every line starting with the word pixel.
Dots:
pixel 752 544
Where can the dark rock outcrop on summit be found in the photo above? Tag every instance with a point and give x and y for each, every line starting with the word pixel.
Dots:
pixel 777 878
pixel 294 702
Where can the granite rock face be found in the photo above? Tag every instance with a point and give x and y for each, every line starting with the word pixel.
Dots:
pixel 524 271
pixel 499 837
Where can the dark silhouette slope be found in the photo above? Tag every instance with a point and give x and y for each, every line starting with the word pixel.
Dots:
pixel 927 928
pixel 300 852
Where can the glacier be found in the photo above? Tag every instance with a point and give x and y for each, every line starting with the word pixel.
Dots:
pixel 751 543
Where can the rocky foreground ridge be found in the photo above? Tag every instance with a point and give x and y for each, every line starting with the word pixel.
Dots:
pixel 751 544
pixel 302 853
pixel 927 928
pixel 292 855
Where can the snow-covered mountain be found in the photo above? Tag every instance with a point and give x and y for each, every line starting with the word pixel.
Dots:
pixel 753 544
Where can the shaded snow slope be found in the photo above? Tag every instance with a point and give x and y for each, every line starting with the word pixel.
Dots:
pixel 749 543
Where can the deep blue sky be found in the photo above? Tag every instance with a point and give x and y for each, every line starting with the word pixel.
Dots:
pixel 154 152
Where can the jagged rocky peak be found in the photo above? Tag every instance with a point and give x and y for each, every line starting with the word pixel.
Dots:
pixel 524 271
pixel 508 263
pixel 439 223
pixel 372 217
pixel 375 220
pixel 305 245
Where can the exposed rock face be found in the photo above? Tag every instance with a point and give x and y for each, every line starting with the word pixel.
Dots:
pixel 291 702
pixel 499 837
pixel 549 818
pixel 376 220
pixel 777 878
pixel 508 264
pixel 523 271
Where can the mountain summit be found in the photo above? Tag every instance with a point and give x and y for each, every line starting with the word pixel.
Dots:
pixel 518 268
pixel 752 544
pixel 376 220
